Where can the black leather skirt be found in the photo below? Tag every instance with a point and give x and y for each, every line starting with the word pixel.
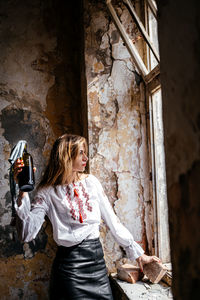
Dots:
pixel 79 272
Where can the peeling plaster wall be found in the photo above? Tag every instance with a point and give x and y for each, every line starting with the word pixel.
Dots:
pixel 179 32
pixel 116 122
pixel 40 91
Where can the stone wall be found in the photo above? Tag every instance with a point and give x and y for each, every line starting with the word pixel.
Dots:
pixel 40 91
pixel 179 31
pixel 116 124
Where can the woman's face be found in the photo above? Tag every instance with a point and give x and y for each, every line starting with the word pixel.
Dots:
pixel 80 161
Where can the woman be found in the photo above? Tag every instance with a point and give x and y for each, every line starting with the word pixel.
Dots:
pixel 74 202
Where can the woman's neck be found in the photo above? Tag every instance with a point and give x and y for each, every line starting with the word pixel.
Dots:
pixel 75 177
pixel 79 176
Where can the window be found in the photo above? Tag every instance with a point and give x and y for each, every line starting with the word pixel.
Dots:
pixel 154 101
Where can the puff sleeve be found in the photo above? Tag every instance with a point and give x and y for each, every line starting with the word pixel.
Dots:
pixel 31 215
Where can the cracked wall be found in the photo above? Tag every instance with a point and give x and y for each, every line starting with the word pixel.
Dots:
pixel 116 124
pixel 40 91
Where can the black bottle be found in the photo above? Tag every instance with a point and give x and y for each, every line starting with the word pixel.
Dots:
pixel 26 180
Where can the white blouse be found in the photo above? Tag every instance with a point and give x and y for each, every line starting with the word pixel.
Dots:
pixel 75 211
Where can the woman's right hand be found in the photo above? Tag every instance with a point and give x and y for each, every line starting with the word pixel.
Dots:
pixel 18 165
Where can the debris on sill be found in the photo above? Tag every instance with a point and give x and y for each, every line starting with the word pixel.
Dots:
pixel 168 275
pixel 129 273
pixel 143 288
pixel 154 271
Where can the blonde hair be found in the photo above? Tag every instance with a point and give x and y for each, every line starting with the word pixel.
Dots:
pixel 63 153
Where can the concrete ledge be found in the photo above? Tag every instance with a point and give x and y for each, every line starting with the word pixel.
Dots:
pixel 140 290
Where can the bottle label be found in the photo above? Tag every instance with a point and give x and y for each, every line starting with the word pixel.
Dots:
pixel 26 160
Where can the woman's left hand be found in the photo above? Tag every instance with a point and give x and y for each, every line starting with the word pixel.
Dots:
pixel 145 259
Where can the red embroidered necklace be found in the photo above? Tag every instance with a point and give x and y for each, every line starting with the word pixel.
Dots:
pixel 80 204
pixel 81 215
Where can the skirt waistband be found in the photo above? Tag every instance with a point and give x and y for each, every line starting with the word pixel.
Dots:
pixel 85 242
pixel 89 249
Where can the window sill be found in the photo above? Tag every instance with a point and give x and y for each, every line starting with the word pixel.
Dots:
pixel 140 290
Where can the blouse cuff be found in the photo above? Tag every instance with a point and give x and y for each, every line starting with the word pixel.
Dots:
pixel 24 209
pixel 134 251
